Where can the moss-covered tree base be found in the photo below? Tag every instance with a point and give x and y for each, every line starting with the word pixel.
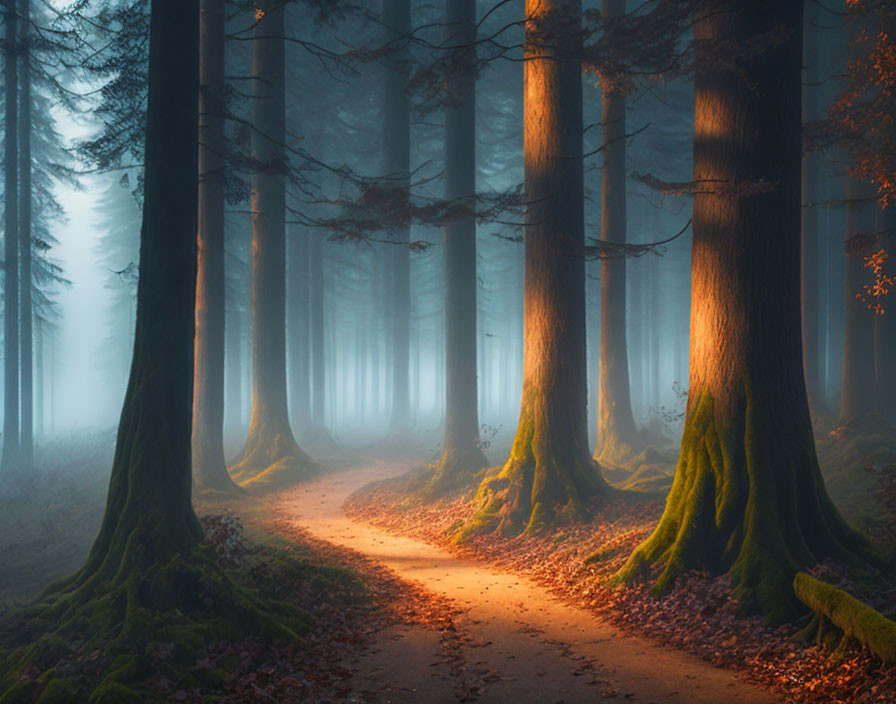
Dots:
pixel 455 470
pixel 747 500
pixel 102 641
pixel 271 459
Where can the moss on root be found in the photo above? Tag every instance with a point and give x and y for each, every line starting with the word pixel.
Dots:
pixel 271 459
pixel 180 607
pixel 455 470
pixel 545 481
pixel 841 619
pixel 747 500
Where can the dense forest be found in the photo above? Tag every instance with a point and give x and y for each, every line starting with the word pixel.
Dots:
pixel 403 351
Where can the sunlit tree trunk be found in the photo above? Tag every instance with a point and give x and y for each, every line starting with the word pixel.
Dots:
pixel 810 221
pixel 10 457
pixel 298 329
pixel 271 453
pixel 748 498
pixel 209 466
pixel 616 432
pixel 462 454
pixel 550 471
pixel 26 283
pixel 397 160
pixel 857 389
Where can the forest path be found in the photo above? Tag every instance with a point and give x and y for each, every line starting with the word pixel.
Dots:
pixel 516 642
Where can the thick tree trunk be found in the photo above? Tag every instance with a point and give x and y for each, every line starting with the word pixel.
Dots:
pixel 298 329
pixel 397 165
pixel 550 472
pixel 617 436
pixel 748 497
pixel 271 453
pixel 26 355
pixel 857 389
pixel 149 515
pixel 209 465
pixel 462 455
pixel 10 457
pixel 810 221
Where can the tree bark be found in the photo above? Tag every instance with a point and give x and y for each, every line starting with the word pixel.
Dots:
pixel 10 457
pixel 271 454
pixel 26 358
pixel 397 164
pixel 462 455
pixel 209 465
pixel 617 436
pixel 810 222
pixel 748 497
pixel 550 472
pixel 149 515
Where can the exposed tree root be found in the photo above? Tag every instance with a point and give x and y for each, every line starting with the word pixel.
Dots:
pixel 271 459
pixel 841 620
pixel 456 469
pixel 746 501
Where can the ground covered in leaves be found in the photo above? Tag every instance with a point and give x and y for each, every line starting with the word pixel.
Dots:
pixel 699 616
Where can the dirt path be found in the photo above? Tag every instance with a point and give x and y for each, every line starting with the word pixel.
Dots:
pixel 518 643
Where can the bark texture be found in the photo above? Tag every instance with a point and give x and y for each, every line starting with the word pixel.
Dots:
pixel 617 435
pixel 271 455
pixel 748 497
pixel 550 473
pixel 209 465
pixel 462 455
pixel 10 457
pixel 810 221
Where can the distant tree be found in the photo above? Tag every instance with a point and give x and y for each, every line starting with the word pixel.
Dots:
pixel 11 428
pixel 271 453
pixel 462 454
pixel 748 497
pixel 209 466
pixel 617 435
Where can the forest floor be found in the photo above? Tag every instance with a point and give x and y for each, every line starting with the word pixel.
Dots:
pixel 399 614
pixel 699 616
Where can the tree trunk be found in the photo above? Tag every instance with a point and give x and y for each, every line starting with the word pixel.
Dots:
pixel 550 472
pixel 233 405
pixel 810 221
pixel 149 515
pixel 748 498
pixel 857 389
pixel 617 436
pixel 209 465
pixel 271 453
pixel 298 329
pixel 462 455
pixel 10 457
pixel 26 358
pixel 318 360
pixel 397 164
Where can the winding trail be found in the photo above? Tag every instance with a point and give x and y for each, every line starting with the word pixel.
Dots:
pixel 519 644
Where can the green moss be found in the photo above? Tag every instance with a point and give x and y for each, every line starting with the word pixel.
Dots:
pixel 61 691
pixel 114 693
pixel 854 619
